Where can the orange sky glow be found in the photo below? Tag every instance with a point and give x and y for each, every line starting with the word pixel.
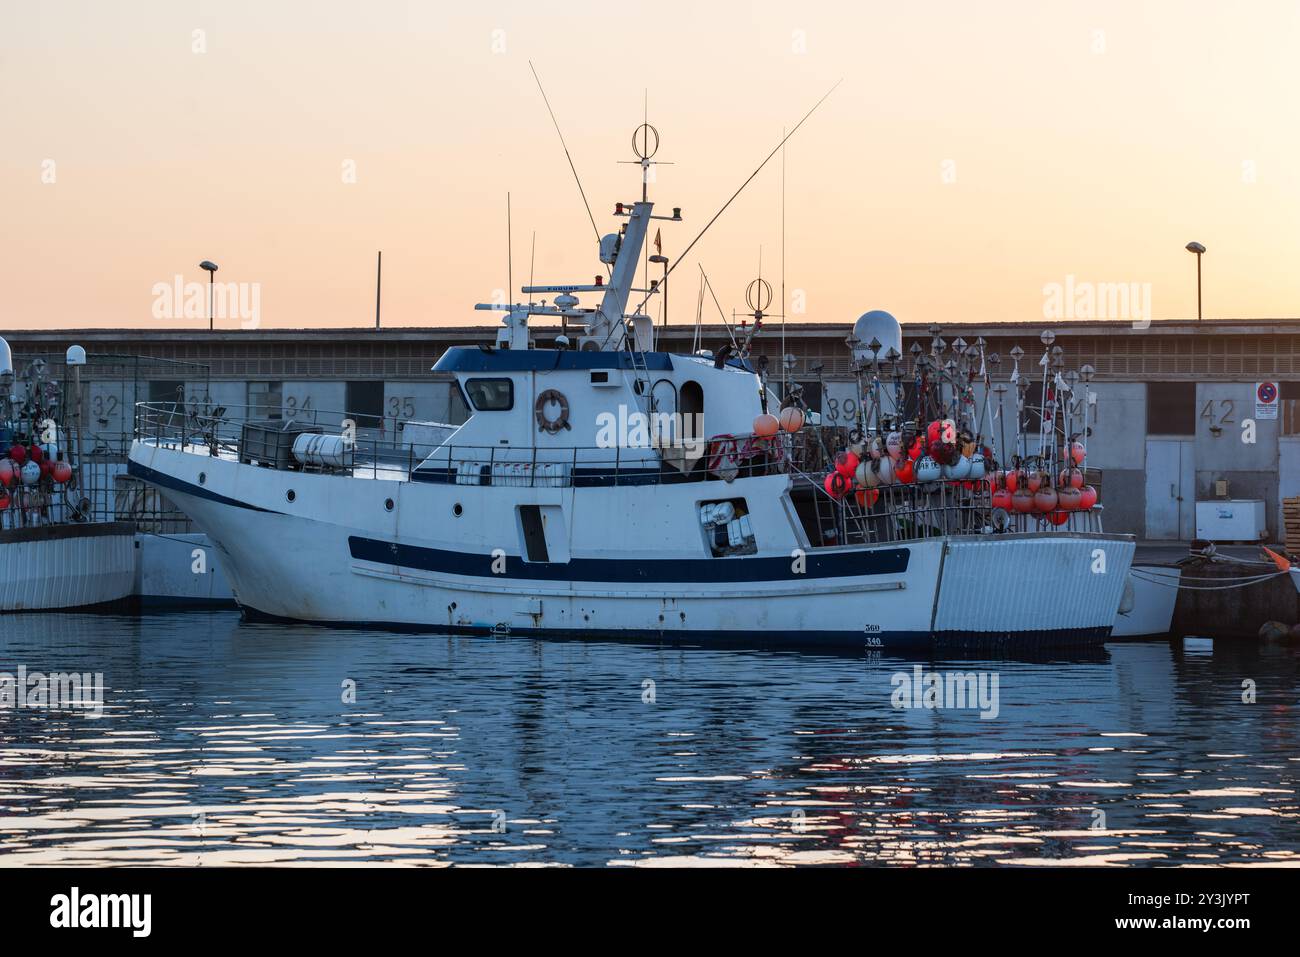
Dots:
pixel 973 156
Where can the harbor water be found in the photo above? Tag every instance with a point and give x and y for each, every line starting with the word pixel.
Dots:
pixel 222 742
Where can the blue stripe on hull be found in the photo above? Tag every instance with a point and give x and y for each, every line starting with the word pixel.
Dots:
pixel 580 477
pixel 690 571
pixel 163 480
pixel 883 561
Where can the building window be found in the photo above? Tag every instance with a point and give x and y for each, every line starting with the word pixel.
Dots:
pixel 166 391
pixel 1288 397
pixel 265 400
pixel 1171 408
pixel 811 393
pixel 365 402
pixel 491 395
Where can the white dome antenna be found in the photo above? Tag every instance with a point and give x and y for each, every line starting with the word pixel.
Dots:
pixel 880 326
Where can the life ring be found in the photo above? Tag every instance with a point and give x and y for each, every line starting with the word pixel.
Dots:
pixel 551 426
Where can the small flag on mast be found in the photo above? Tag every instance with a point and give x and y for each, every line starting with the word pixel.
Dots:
pixel 659 242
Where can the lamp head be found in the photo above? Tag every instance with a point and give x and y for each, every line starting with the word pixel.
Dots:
pixel 1195 247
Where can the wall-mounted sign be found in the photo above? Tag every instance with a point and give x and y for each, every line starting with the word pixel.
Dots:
pixel 1266 394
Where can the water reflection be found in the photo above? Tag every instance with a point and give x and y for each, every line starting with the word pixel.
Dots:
pixel 231 743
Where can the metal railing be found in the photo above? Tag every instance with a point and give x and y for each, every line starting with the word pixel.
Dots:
pixel 373 455
pixel 888 513
pixel 899 513
pixel 100 491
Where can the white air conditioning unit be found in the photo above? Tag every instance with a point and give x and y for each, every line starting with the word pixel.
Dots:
pixel 1231 520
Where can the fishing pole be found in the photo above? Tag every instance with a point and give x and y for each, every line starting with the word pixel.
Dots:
pixel 759 169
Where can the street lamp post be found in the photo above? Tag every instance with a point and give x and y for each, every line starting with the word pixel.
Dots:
pixel 1195 247
pixel 211 269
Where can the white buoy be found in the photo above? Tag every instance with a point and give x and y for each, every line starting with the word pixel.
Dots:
pixel 927 469
pixel 886 470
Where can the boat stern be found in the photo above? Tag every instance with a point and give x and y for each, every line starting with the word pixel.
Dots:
pixel 1048 588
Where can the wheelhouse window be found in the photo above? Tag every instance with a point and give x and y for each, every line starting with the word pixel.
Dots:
pixel 491 395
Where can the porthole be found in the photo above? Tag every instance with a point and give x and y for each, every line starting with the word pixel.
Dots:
pixel 291 495
pixel 457 510
pixel 203 478
pixel 388 505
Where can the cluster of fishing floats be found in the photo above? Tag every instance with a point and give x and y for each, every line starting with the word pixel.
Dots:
pixel 32 466
pixel 928 422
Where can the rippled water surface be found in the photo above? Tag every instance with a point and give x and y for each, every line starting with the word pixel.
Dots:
pixel 230 743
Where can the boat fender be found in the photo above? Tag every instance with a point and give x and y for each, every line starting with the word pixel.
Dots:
pixel 561 421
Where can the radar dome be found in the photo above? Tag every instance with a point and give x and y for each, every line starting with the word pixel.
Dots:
pixel 881 326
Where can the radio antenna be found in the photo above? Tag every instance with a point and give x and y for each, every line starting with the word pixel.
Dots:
pixel 784 302
pixel 775 150
pixel 577 179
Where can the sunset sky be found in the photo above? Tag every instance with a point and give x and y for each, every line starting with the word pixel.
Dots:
pixel 974 153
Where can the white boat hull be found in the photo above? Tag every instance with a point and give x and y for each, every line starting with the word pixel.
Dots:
pixel 338 554
pixel 66 566
pixel 1147 607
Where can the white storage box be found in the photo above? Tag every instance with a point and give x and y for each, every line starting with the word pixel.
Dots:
pixel 1231 520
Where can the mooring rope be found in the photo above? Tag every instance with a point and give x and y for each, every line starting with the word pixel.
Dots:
pixel 1178 583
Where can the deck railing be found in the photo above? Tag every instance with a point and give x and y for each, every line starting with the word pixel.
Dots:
pixel 99 491
pixel 381 455
pixel 889 513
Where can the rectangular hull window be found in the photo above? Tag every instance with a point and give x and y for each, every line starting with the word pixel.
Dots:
pixel 726 527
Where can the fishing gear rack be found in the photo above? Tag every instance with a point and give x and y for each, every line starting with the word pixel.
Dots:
pixel 87 401
pixel 900 398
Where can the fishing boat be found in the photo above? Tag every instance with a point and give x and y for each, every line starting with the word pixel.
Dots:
pixel 602 488
pixel 53 554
